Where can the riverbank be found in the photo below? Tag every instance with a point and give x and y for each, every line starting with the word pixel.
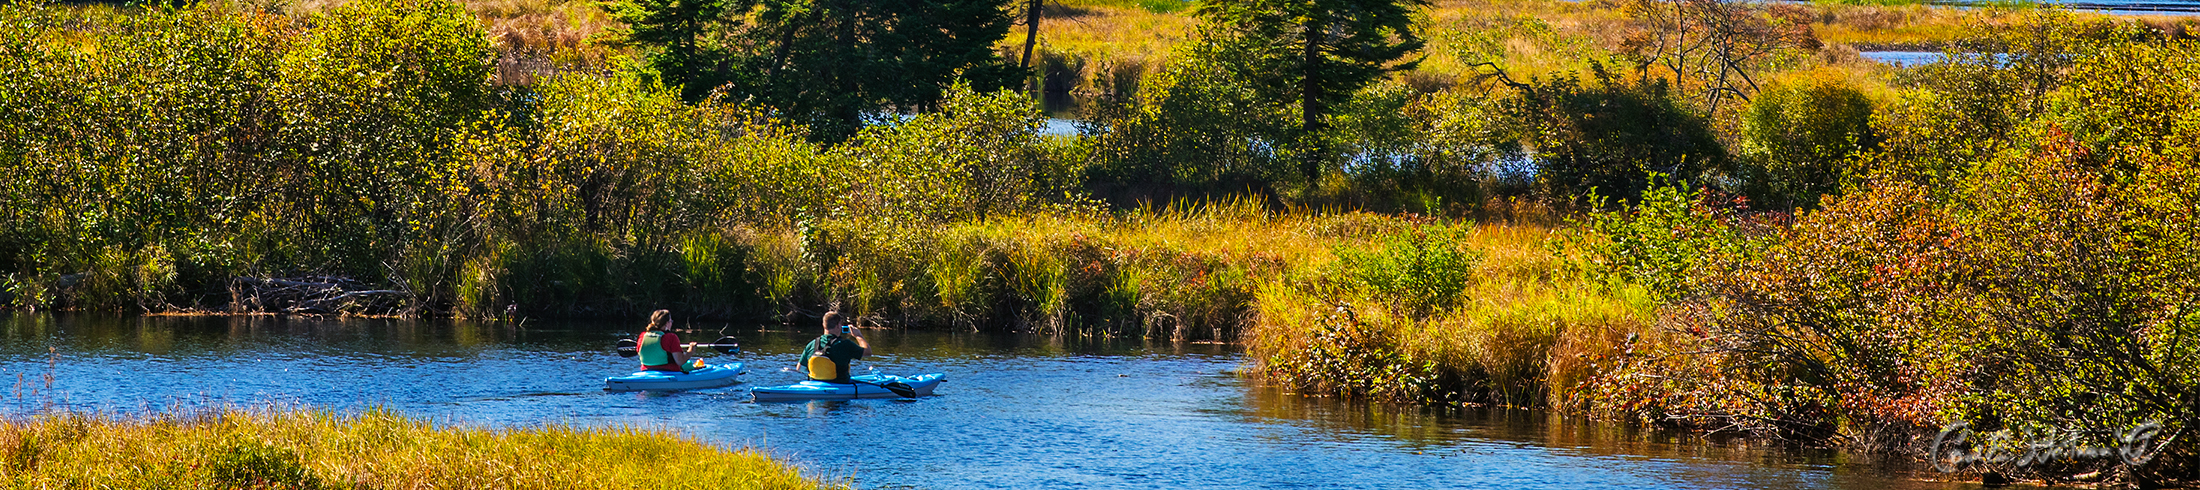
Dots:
pixel 1486 315
pixel 311 449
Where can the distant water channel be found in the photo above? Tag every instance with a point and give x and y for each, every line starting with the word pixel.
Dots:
pixel 1017 412
pixel 1903 59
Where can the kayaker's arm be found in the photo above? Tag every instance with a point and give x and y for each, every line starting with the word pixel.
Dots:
pixel 866 345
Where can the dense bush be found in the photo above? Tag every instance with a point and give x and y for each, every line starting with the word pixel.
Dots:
pixel 1664 239
pixel 1463 314
pixel 2041 289
pixel 218 141
pixel 1609 134
pixel 1419 271
pixel 155 159
pixel 833 66
pixel 1192 130
pixel 1801 139
pixel 1196 130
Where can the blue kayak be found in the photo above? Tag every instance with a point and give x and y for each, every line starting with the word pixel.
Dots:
pixel 866 387
pixel 712 376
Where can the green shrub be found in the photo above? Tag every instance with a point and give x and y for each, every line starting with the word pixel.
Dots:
pixel 247 462
pixel 1608 135
pixel 1191 131
pixel 239 141
pixel 1663 240
pixel 1800 140
pixel 1422 271
pixel 2041 288
pixel 980 155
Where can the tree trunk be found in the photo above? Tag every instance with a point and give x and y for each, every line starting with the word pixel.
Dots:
pixel 1310 103
pixel 1031 37
pixel 779 53
pixel 1031 30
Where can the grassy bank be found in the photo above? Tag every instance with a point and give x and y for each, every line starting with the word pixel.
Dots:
pixel 1490 314
pixel 315 449
pixel 1188 271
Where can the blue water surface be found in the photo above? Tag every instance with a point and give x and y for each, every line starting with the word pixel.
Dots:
pixel 1018 411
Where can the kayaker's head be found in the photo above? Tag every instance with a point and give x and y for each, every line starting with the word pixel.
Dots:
pixel 659 321
pixel 835 324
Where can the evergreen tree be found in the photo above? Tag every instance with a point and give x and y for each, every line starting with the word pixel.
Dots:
pixel 1314 53
pixel 825 63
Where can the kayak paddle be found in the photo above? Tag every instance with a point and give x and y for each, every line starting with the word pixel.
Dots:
pixel 899 388
pixel 724 345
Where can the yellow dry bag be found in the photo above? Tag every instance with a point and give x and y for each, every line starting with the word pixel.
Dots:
pixel 823 368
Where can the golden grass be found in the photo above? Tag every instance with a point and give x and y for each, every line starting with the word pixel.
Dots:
pixel 1239 230
pixel 1899 27
pixel 1528 332
pixel 377 449
pixel 1527 38
pixel 1195 265
pixel 1108 30
pixel 536 36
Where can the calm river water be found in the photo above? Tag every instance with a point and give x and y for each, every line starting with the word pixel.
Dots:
pixel 1017 411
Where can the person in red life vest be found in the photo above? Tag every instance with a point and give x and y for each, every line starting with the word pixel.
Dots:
pixel 660 349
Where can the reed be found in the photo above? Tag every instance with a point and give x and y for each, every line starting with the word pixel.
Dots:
pixel 312 449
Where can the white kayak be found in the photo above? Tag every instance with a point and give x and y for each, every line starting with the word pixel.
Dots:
pixel 866 386
pixel 711 376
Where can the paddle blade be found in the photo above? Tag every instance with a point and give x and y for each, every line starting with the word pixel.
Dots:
pixel 625 348
pixel 727 345
pixel 900 388
pixel 626 352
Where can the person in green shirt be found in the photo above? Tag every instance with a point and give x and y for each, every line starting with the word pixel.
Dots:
pixel 827 358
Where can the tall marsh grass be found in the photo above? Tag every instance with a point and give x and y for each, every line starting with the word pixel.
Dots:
pixel 1516 325
pixel 281 449
pixel 1185 271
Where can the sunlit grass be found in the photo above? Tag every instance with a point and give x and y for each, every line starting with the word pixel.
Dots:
pixel 1106 28
pixel 377 449
pixel 1183 271
pixel 1526 331
pixel 566 33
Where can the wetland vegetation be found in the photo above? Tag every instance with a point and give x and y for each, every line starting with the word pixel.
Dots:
pixel 307 449
pixel 1707 215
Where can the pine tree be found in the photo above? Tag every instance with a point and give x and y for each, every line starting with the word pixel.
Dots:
pixel 830 64
pixel 1314 53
